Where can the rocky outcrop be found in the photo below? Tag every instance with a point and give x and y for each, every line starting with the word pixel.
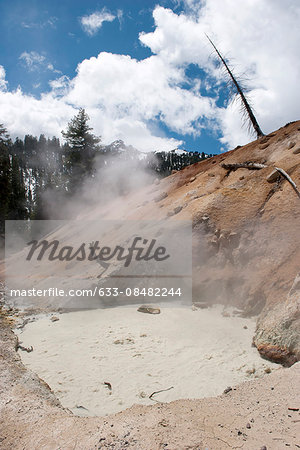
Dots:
pixel 277 335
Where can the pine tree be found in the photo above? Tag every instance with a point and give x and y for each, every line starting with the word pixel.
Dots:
pixel 80 149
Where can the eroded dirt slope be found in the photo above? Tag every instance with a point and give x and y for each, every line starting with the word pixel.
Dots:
pixel 246 242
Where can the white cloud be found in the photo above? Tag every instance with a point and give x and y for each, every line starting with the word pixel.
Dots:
pixel 126 98
pixel 32 59
pixel 51 22
pixel 24 114
pixel 92 23
pixel 124 87
pixel 3 82
pixel 120 16
pixel 35 61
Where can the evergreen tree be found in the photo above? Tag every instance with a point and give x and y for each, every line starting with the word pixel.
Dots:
pixel 80 150
pixel 5 180
pixel 17 198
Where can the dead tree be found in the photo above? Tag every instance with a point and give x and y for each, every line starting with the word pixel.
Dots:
pixel 240 92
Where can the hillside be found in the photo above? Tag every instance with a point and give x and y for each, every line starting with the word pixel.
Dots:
pixel 246 225
pixel 246 245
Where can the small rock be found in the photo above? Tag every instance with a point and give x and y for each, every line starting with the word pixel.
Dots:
pixel 296 285
pixel 214 241
pixel 263 447
pixel 262 147
pixel 296 151
pixel 211 175
pixel 54 319
pixel 163 423
pixel 274 175
pixel 228 389
pixel 248 426
pixel 148 309
pixel 245 327
pixel 160 197
pixel 205 218
pixel 177 209
pixel 234 239
pixel 264 139
pixel 192 179
pixel 267 370
pixel 291 144
pixel 242 177
pixel 225 314
pixel 201 305
pixel 156 181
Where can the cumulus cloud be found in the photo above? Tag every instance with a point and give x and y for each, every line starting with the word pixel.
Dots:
pixel 128 98
pixel 93 22
pixel 24 114
pixel 122 86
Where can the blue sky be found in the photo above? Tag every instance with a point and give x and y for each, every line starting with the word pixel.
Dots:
pixel 177 95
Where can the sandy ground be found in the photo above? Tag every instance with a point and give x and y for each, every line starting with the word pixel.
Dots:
pixel 260 413
pixel 198 353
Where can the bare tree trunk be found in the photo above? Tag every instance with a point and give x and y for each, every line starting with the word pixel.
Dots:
pixel 245 103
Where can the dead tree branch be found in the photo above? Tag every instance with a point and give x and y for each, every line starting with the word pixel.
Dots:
pixel 288 178
pixel 162 390
pixel 258 166
pixel 246 165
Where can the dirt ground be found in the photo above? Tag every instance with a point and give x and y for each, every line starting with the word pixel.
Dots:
pixel 257 414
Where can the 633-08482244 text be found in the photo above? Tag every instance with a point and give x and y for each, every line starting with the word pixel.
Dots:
pixel 101 292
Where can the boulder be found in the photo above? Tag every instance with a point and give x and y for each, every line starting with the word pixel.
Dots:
pixel 277 335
